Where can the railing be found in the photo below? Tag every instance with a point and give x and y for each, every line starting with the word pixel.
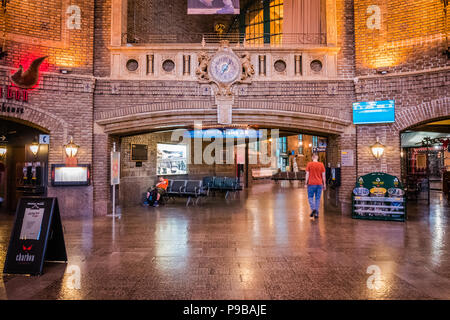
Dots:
pixel 252 39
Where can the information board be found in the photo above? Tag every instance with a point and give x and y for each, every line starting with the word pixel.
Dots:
pixel 347 159
pixel 374 112
pixel 139 152
pixel 37 236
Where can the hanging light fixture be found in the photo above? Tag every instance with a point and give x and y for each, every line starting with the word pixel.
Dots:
pixel 71 148
pixel 34 147
pixel 377 149
pixel 3 147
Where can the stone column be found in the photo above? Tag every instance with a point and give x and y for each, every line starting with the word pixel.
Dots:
pixel 118 21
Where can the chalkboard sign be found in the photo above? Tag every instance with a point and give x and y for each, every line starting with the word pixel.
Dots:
pixel 37 236
pixel 139 152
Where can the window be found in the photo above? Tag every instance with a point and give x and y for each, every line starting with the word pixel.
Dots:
pixel 315 141
pixel 254 146
pixel 282 144
pixel 300 144
pixel 261 22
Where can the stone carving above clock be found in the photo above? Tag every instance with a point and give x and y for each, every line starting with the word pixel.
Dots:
pixel 224 68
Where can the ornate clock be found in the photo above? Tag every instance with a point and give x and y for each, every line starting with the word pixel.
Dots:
pixel 225 68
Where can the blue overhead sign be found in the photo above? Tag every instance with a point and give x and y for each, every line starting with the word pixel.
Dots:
pixel 225 133
pixel 374 112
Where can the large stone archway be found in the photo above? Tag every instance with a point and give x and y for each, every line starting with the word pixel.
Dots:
pixel 185 113
pixel 110 125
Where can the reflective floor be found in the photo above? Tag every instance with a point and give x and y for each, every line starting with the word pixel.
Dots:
pixel 260 246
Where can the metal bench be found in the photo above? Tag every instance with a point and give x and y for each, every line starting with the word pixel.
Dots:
pixel 176 188
pixel 193 189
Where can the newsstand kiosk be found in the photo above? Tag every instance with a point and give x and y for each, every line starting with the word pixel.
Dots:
pixel 379 196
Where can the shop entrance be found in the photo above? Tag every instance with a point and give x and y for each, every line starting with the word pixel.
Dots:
pixel 253 158
pixel 23 164
pixel 426 160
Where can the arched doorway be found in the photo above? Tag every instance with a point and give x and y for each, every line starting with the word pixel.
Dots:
pixel 250 154
pixel 24 163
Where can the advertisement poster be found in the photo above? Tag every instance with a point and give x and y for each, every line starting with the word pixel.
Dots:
pixel 213 7
pixel 171 159
pixel 115 168
pixel 31 225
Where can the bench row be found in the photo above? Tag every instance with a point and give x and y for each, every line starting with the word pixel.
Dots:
pixel 194 189
pixel 300 175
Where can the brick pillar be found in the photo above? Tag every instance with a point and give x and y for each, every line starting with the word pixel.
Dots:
pixel 101 171
pixel 347 141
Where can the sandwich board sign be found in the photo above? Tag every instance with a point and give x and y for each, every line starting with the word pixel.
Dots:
pixel 37 236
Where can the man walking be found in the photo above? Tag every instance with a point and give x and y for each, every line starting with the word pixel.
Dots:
pixel 315 181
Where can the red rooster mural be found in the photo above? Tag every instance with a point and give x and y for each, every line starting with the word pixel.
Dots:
pixel 28 79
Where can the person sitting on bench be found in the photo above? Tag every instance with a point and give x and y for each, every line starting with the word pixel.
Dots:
pixel 157 190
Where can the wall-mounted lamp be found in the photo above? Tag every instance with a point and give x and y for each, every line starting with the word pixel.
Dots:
pixel 382 71
pixel 377 149
pixel 71 148
pixel 3 148
pixel 34 147
pixel 64 71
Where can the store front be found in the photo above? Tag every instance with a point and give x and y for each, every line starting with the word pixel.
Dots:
pixel 23 163
pixel 426 159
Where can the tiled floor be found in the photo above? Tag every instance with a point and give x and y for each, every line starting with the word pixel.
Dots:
pixel 260 246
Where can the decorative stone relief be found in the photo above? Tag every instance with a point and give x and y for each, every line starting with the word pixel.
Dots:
pixel 202 70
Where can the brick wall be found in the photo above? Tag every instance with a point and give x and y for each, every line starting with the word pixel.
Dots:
pixel 36 29
pixel 63 106
pixel 410 37
pixel 102 38
pixel 346 40
pixel 147 17
pixel 418 98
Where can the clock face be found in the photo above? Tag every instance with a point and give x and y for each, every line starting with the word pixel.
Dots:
pixel 225 67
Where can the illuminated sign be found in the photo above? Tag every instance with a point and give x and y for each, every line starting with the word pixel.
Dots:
pixel 213 7
pixel 224 134
pixel 13 93
pixel 374 112
pixel 70 176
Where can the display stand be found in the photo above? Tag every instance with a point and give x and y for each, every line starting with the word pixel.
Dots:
pixel 37 236
pixel 379 196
